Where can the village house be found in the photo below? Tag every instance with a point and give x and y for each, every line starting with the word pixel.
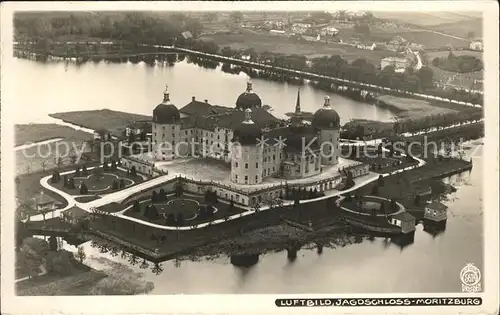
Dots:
pixel 435 211
pixel 74 215
pixel 300 28
pixel 329 31
pixel 369 46
pixel 415 46
pixel 399 64
pixel 138 127
pixel 478 46
pixel 404 220
pixel 276 25
pixel 277 32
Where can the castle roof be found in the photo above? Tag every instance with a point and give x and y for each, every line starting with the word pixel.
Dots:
pixel 202 108
pixel 229 118
pixel 43 199
pixel 403 216
pixel 247 132
pixel 293 138
pixel 436 206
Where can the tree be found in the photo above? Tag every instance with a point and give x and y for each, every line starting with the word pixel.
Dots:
pixel 157 269
pixel 103 134
pixel 35 247
pixel 362 28
pixel 380 181
pixel 425 75
pixel 211 16
pixel 417 200
pixel 80 254
pixel 57 160
pixel 55 177
pixel 43 164
pixel 131 138
pixel 136 207
pixel 179 189
pixel 29 263
pixel 162 195
pixel 256 207
pixel 236 16
pixel 180 219
pixel 83 189
pixel 73 158
pixel 53 243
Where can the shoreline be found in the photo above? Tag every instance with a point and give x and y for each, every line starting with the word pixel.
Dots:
pixel 251 65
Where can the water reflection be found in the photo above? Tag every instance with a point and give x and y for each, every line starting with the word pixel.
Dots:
pixel 428 261
pixel 80 84
pixel 434 228
pixel 403 241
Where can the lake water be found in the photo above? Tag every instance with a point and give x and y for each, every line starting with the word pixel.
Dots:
pixel 430 264
pixel 137 88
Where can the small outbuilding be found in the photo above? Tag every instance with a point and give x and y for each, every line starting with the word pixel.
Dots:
pixel 404 220
pixel 435 211
pixel 74 215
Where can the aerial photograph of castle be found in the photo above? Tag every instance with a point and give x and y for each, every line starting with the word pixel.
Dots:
pixel 247 152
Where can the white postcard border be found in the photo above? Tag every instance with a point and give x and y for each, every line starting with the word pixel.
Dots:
pixel 249 304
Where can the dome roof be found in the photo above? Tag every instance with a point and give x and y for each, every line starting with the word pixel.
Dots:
pixel 326 117
pixel 248 99
pixel 166 112
pixel 247 132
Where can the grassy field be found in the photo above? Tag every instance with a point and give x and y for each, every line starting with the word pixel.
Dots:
pixel 428 18
pixel 461 28
pixel 412 108
pixel 40 132
pixel 459 80
pixel 114 121
pixel 276 44
pixel 29 184
pixel 432 40
pixel 433 54
pixel 43 157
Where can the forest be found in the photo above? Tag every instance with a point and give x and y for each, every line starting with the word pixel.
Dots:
pixel 462 64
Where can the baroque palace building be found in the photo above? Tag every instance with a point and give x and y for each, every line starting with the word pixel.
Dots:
pixel 292 149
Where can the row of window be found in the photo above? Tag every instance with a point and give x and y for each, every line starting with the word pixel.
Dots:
pixel 246 178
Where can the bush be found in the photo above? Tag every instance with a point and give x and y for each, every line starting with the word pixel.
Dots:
pixel 61 263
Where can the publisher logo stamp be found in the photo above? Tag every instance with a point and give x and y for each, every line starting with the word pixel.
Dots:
pixel 471 278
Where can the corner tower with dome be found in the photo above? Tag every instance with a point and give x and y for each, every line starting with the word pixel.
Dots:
pixel 166 128
pixel 248 99
pixel 327 123
pixel 246 153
